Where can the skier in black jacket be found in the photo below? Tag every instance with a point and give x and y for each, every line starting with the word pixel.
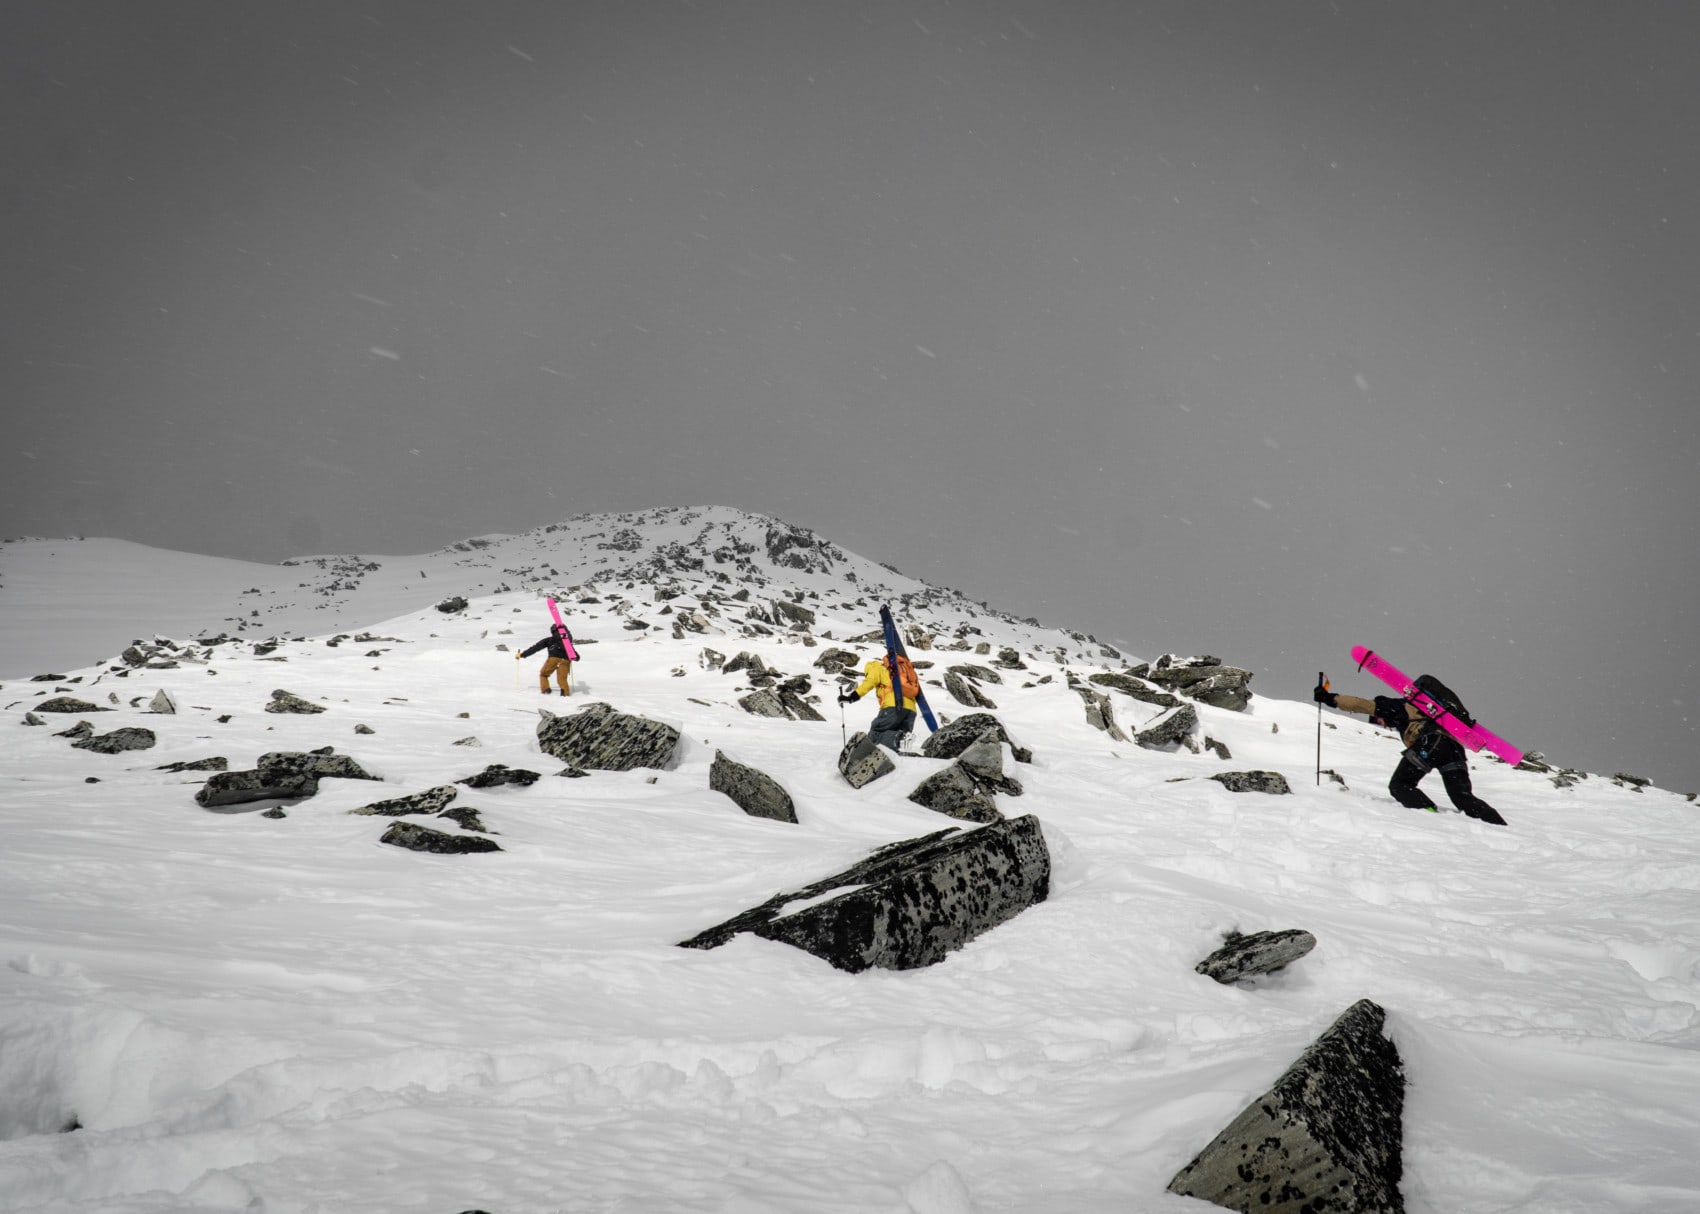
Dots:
pixel 1427 747
pixel 558 663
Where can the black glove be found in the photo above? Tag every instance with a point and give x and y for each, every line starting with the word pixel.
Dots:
pixel 1322 695
pixel 847 697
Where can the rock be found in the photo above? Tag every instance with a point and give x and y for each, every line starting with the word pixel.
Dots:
pixel 364 729
pixel 1010 659
pixel 431 801
pixel 598 738
pixel 964 691
pixel 984 761
pixel 1259 953
pixel 130 737
pixel 955 792
pixel 1137 688
pixel 31 719
pixel 1220 749
pixel 1326 1137
pixel 910 904
pixel 275 811
pixel 470 741
pixel 283 775
pixel 286 701
pixel 215 763
pixel 466 818
pixel 451 605
pixel 791 694
pixel 68 704
pixel 79 731
pixel 1204 679
pixel 1272 782
pixel 794 613
pixel 764 703
pixel 1173 728
pixel 162 703
pixel 498 774
pixel 979 674
pixel 1099 714
pixel 862 761
pixel 836 661
pixel 422 838
pixel 747 661
pixel 755 792
pixel 956 736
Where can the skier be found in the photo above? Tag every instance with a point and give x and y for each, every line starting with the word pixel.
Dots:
pixel 894 721
pixel 557 663
pixel 1427 747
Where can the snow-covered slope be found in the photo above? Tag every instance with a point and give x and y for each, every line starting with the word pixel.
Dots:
pixel 248 1013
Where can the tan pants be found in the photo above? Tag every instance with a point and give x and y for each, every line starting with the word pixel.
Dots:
pixel 563 671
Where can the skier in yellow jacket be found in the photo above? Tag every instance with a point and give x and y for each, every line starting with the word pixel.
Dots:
pixel 893 721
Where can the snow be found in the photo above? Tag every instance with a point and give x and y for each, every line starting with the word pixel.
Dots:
pixel 255 1014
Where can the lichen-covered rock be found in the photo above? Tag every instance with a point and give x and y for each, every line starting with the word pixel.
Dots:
pixel 283 775
pixel 1245 956
pixel 1326 1138
pixel 956 736
pixel 288 701
pixel 862 761
pixel 755 792
pixel 764 703
pixel 598 738
pixel 1173 728
pixel 130 737
pixel 498 774
pixel 68 704
pixel 1272 782
pixel 415 837
pixel 1137 688
pixel 965 691
pixel 910 904
pixel 1204 679
pixel 430 801
pixel 955 792
pixel 214 763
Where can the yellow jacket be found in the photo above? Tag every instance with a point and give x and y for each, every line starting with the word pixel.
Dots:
pixel 877 679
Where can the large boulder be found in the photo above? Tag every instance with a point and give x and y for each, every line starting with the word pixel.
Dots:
pixel 129 737
pixel 1172 729
pixel 1204 679
pixel 598 738
pixel 956 736
pixel 964 690
pixel 910 904
pixel 1259 953
pixel 755 792
pixel 954 791
pixel 1326 1137
pixel 279 775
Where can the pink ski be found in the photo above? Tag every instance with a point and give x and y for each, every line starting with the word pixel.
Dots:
pixel 567 637
pixel 1473 736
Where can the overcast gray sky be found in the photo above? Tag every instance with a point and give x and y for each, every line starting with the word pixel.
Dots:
pixel 1258 329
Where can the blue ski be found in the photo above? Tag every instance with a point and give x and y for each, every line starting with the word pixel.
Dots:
pixel 894 647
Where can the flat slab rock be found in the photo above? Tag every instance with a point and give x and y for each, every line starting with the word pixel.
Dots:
pixel 910 904
pixel 1246 956
pixel 598 738
pixel 1326 1139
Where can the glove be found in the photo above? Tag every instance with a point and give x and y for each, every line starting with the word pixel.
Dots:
pixel 846 697
pixel 1322 695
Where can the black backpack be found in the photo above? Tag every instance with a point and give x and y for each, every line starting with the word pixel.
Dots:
pixel 1443 695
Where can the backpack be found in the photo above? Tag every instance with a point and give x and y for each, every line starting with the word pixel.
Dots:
pixel 1443 695
pixel 907 679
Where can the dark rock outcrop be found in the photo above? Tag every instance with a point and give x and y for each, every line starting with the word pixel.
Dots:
pixel 282 775
pixel 955 791
pixel 1272 782
pixel 1259 953
pixel 67 704
pixel 598 738
pixel 957 736
pixel 451 605
pixel 1325 1138
pixel 415 837
pixel 430 801
pixel 910 904
pixel 1137 688
pixel 1173 728
pixel 1204 679
pixel 764 703
pixel 130 737
pixel 964 690
pixel 215 763
pixel 755 792
pixel 288 701
pixel 1099 714
pixel 498 774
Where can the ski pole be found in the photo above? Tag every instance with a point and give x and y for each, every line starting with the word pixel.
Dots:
pixel 1322 683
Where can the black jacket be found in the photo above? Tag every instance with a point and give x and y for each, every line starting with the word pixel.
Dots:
pixel 553 643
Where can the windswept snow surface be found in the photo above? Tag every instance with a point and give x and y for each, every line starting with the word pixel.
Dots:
pixel 246 1013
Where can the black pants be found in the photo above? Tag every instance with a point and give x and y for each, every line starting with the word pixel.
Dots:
pixel 1447 754
pixel 890 724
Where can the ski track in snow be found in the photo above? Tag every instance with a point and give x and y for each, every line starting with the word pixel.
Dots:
pixel 245 1013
